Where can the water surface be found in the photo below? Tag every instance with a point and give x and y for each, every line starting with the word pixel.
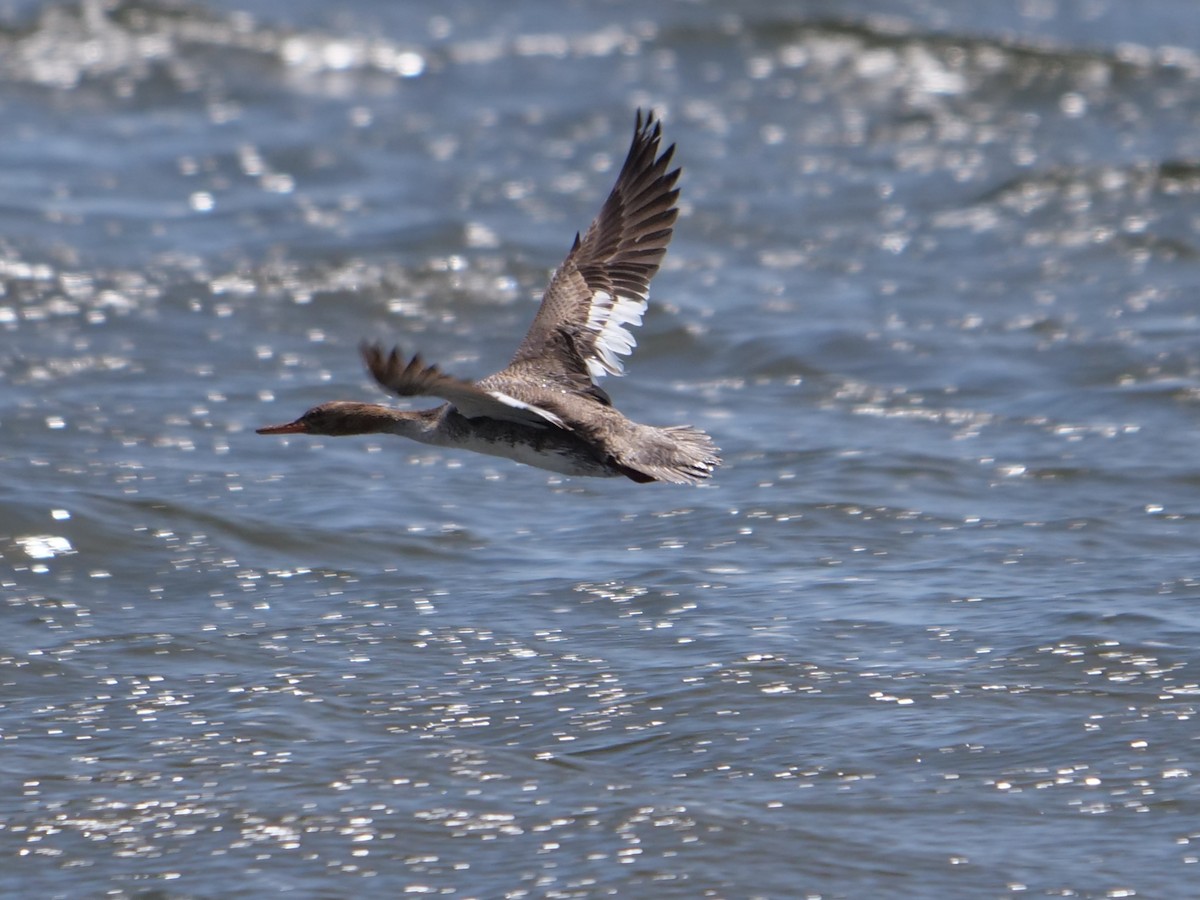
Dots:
pixel 930 632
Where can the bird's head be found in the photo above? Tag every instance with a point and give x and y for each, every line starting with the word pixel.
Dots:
pixel 335 419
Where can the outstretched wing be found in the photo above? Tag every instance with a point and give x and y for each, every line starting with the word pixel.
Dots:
pixel 413 379
pixel 603 284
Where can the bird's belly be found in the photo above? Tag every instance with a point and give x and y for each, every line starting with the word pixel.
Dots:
pixel 567 458
pixel 544 448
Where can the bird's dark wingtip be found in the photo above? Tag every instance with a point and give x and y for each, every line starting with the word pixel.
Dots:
pixel 377 360
pixel 370 351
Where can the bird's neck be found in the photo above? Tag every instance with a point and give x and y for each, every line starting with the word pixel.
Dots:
pixel 368 418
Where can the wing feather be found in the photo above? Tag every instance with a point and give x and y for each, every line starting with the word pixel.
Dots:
pixel 416 379
pixel 602 287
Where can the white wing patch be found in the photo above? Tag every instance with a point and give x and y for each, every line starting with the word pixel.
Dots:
pixel 536 415
pixel 607 319
pixel 529 407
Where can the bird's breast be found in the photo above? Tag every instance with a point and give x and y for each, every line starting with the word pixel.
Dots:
pixel 549 448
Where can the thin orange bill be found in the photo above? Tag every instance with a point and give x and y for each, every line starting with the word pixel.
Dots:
pixel 296 427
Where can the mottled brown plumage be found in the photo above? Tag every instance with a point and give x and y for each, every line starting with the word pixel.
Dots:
pixel 546 407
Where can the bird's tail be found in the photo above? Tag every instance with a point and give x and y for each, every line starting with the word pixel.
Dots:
pixel 679 454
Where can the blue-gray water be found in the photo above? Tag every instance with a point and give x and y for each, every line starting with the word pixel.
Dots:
pixel 931 632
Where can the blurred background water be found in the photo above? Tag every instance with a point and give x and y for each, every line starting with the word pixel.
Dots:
pixel 931 631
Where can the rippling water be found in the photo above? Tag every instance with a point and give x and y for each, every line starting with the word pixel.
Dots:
pixel 932 630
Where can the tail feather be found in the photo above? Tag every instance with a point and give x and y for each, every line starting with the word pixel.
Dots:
pixel 679 454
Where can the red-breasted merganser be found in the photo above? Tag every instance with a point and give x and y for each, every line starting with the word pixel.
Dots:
pixel 546 408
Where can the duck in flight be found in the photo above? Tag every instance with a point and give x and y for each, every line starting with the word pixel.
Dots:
pixel 547 409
